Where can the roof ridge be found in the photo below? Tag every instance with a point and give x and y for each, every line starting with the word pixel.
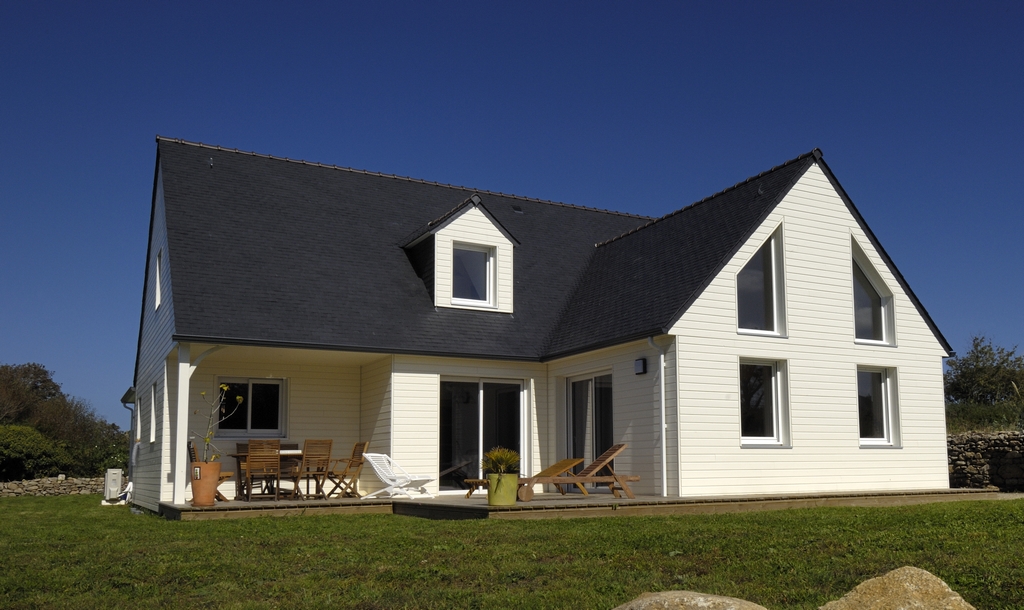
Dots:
pixel 816 153
pixel 160 138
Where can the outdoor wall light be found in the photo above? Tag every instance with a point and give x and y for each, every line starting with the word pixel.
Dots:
pixel 640 366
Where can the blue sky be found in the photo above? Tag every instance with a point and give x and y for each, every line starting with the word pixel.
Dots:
pixel 636 108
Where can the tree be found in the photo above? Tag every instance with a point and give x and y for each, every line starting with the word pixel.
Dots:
pixel 27 454
pixel 85 443
pixel 23 387
pixel 984 375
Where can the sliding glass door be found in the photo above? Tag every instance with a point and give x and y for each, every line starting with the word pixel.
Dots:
pixel 589 417
pixel 476 417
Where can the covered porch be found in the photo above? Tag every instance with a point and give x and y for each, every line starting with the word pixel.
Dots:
pixel 286 394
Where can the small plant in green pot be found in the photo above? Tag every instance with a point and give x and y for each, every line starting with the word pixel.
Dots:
pixel 502 468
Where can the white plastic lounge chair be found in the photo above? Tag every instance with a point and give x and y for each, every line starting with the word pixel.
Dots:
pixel 398 481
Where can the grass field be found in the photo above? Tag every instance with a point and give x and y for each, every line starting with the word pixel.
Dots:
pixel 69 552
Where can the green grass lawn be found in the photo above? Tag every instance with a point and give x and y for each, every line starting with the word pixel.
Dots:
pixel 69 552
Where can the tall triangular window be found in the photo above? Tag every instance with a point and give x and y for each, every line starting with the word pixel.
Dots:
pixel 759 298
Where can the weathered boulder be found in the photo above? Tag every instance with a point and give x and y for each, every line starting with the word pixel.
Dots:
pixel 687 600
pixel 905 588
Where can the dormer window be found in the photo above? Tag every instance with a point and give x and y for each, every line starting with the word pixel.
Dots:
pixel 472 274
pixel 759 291
pixel 465 259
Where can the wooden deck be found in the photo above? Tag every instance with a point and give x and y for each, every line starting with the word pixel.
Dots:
pixel 555 506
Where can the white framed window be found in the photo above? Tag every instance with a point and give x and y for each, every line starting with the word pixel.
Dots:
pixel 152 413
pixel 261 413
pixel 159 260
pixel 876 406
pixel 473 275
pixel 759 291
pixel 763 404
pixel 872 303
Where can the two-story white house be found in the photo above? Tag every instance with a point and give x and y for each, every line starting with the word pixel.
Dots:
pixel 758 341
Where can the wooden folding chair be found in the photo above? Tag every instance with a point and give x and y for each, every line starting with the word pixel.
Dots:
pixel 263 464
pixel 590 474
pixel 344 473
pixel 316 457
pixel 193 456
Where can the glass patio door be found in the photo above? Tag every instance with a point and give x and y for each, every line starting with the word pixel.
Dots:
pixel 475 417
pixel 589 417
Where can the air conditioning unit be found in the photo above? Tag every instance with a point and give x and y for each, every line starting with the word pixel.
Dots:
pixel 112 485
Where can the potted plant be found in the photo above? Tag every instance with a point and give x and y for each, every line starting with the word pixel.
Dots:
pixel 502 468
pixel 204 476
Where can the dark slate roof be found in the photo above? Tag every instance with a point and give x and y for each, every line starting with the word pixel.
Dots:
pixel 637 285
pixel 269 251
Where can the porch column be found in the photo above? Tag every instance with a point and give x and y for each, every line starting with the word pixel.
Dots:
pixel 179 456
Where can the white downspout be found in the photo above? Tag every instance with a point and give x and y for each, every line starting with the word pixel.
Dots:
pixel 661 388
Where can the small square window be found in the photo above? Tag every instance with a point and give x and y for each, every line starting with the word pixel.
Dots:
pixel 875 406
pixel 472 275
pixel 762 405
pixel 259 413
pixel 759 298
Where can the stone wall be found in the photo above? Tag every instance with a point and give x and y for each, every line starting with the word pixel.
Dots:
pixel 51 486
pixel 987 459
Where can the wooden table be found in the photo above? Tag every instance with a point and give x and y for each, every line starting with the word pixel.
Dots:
pixel 290 454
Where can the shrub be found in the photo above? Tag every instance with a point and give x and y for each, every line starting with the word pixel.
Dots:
pixel 975 417
pixel 27 454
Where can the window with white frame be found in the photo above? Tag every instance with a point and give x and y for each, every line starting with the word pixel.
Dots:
pixel 872 303
pixel 152 413
pixel 159 260
pixel 763 414
pixel 876 406
pixel 759 294
pixel 260 413
pixel 472 275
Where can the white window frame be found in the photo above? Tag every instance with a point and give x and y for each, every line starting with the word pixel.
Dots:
pixel 780 404
pixel 159 259
pixel 888 316
pixel 591 430
pixel 248 432
pixel 890 408
pixel 152 413
pixel 524 422
pixel 492 257
pixel 774 242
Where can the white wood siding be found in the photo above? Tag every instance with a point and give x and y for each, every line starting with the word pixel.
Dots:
pixel 321 398
pixel 149 475
pixel 375 415
pixel 821 358
pixel 635 408
pixel 472 227
pixel 416 405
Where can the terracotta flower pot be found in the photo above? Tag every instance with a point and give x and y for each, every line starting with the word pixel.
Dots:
pixel 501 489
pixel 204 477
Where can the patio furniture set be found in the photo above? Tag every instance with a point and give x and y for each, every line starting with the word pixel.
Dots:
pixel 264 464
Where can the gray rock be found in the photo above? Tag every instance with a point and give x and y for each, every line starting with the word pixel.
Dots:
pixel 905 588
pixel 687 600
